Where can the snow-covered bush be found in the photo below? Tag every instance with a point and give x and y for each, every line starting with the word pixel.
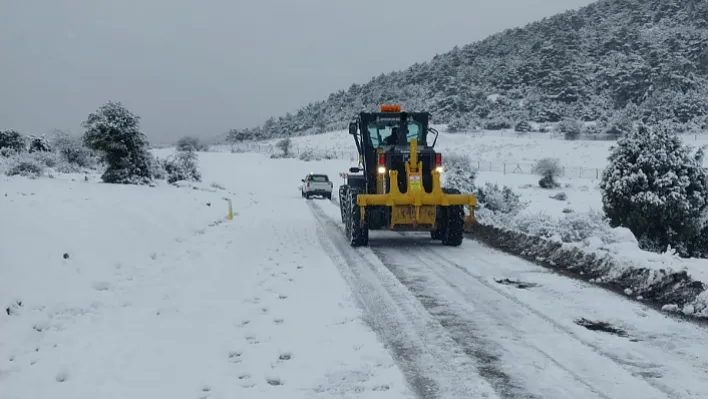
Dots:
pixel 458 124
pixel 522 127
pixel 190 143
pixel 497 124
pixel 571 129
pixel 23 165
pixel 284 145
pixel 591 130
pixel 114 132
pixel 549 169
pixel 48 159
pixel 459 173
pixel 571 227
pixel 545 128
pixel 502 200
pixel 309 155
pixel 73 155
pixel 657 188
pixel 619 125
pixel 157 168
pixel 39 144
pixel 562 196
pixel 182 166
pixel 11 141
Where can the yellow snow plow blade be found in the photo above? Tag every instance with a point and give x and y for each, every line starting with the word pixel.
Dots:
pixel 416 207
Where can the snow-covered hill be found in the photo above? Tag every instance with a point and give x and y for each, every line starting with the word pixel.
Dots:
pixel 610 61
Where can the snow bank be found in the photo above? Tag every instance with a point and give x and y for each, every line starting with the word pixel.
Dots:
pixel 584 246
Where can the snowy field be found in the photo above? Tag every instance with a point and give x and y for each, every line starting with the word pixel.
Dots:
pixel 160 296
pixel 141 292
pixel 488 150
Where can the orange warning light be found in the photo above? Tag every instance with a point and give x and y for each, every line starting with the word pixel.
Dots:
pixel 390 107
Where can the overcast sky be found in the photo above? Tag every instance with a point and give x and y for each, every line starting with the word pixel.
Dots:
pixel 203 67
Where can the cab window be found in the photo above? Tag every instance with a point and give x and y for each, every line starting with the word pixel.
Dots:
pixel 380 132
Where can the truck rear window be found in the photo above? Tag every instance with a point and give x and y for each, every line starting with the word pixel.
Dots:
pixel 318 178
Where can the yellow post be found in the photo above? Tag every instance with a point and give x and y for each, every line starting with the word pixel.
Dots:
pixel 231 210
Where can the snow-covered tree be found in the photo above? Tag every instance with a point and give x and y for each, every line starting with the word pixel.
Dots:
pixel 656 187
pixel 12 141
pixel 114 132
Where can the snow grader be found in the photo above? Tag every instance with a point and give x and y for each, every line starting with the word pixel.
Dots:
pixel 396 185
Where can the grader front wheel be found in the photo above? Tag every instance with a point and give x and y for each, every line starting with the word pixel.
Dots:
pixel 452 220
pixel 454 226
pixel 357 233
pixel 343 192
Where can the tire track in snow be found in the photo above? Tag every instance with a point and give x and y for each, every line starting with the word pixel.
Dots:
pixel 498 321
pixel 432 362
pixel 456 275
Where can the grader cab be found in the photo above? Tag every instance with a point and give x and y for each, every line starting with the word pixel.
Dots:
pixel 396 185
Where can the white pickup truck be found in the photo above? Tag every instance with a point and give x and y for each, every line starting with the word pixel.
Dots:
pixel 316 184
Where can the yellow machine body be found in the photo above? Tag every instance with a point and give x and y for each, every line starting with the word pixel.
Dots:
pixel 415 208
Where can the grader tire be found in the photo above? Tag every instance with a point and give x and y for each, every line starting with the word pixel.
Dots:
pixel 453 222
pixel 357 234
pixel 343 192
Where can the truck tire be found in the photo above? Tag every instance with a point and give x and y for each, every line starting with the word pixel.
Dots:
pixel 357 233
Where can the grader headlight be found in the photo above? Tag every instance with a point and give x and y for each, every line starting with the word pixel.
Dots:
pixel 382 163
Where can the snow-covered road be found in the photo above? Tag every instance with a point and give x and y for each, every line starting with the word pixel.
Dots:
pixel 526 331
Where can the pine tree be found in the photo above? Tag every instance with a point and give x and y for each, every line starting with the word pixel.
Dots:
pixel 657 188
pixel 114 132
